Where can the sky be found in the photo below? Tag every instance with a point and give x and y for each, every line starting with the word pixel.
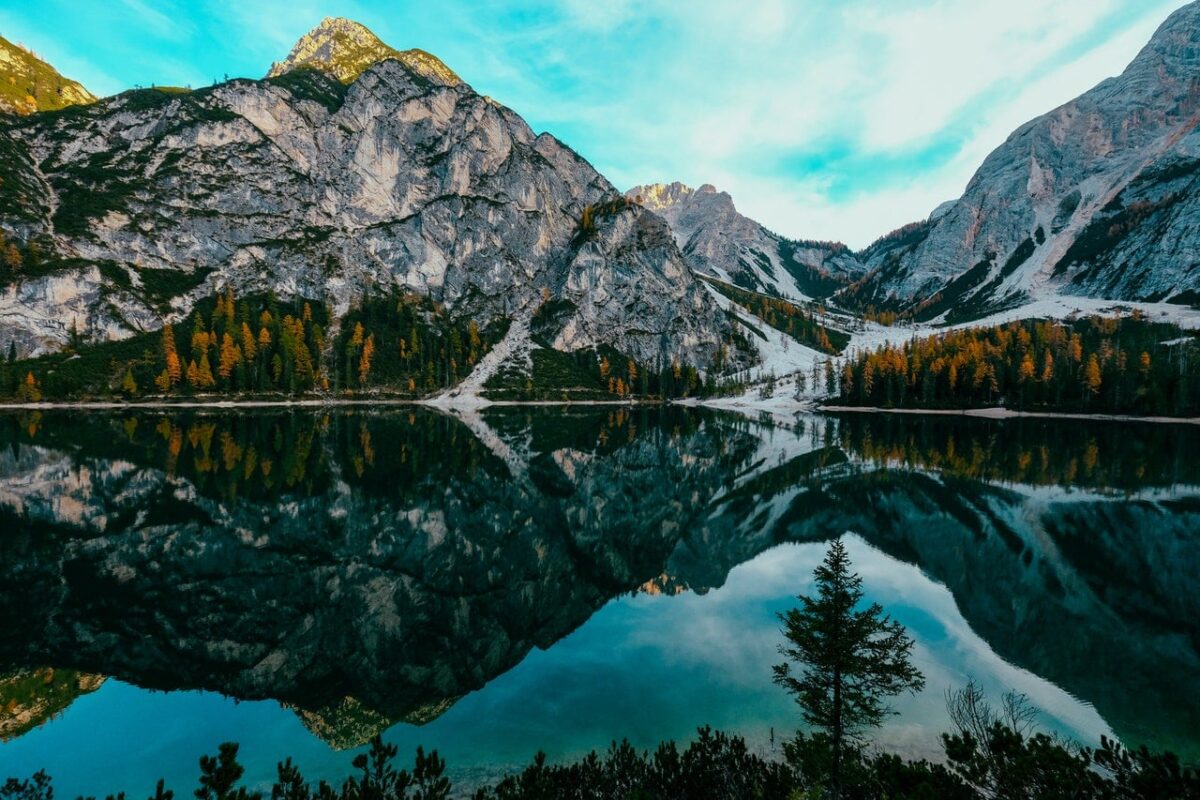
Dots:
pixel 824 119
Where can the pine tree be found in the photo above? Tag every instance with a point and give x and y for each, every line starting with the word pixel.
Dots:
pixel 174 368
pixel 850 658
pixel 29 391
pixel 249 345
pixel 12 258
pixel 231 356
pixel 204 375
pixel 1092 376
pixel 129 386
pixel 364 362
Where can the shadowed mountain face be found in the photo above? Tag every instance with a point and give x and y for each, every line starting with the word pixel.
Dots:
pixel 368 568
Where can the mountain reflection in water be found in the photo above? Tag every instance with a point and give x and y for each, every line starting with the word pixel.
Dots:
pixel 367 568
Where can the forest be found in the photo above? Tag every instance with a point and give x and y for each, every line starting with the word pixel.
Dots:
pixel 404 346
pixel 1091 365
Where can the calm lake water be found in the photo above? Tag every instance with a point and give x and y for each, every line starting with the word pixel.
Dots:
pixel 492 585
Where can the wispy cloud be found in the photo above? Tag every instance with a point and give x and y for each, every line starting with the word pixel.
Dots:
pixel 836 119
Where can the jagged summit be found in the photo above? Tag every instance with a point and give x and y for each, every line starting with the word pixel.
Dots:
pixel 719 241
pixel 29 84
pixel 345 49
pixel 659 196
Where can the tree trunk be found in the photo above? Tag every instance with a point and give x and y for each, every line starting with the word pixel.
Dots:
pixel 837 733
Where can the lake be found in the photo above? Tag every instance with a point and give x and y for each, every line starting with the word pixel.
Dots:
pixel 495 583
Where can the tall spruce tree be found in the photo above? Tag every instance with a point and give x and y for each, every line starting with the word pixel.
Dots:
pixel 849 659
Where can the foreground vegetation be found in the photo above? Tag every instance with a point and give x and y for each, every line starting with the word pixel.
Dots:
pixel 843 660
pixel 1093 365
pixel 1001 763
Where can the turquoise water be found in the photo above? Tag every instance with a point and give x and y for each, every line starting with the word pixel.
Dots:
pixel 541 582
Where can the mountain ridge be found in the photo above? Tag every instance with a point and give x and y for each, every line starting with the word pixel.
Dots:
pixel 1091 198
pixel 29 84
pixel 718 241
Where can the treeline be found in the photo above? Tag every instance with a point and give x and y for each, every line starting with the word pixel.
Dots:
pixel 1095 365
pixel 990 760
pixel 247 346
pixel 605 373
pixel 263 345
pixel 786 317
pixel 410 344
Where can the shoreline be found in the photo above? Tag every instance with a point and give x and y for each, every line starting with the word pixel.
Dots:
pixel 468 404
pixel 473 403
pixel 1006 413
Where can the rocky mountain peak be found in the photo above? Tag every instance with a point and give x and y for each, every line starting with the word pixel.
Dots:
pixel 659 196
pixel 720 242
pixel 29 84
pixel 344 49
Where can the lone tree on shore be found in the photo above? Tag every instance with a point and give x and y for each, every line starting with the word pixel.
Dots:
pixel 849 659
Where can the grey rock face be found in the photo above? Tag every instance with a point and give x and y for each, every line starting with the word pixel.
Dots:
pixel 301 185
pixel 615 279
pixel 1095 198
pixel 716 240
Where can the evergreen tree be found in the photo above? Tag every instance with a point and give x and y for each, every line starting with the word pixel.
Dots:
pixel 850 658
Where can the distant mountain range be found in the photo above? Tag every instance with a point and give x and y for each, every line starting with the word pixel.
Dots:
pixel 354 167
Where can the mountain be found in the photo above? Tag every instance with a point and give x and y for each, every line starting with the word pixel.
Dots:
pixel 716 240
pixel 32 697
pixel 28 84
pixel 1097 198
pixel 345 49
pixel 133 209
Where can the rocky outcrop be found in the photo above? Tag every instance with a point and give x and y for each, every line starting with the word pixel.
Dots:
pixel 345 49
pixel 1096 198
pixel 28 84
pixel 616 276
pixel 405 179
pixel 716 240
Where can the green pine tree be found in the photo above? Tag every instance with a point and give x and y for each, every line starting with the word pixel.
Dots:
pixel 850 658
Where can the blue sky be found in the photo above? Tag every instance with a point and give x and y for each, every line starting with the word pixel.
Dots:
pixel 829 119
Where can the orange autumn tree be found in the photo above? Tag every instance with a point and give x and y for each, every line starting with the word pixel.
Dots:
pixel 364 362
pixel 173 366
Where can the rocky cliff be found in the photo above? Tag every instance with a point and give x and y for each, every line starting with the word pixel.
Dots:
pixel 402 178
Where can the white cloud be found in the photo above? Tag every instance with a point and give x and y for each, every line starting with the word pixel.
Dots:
pixel 733 98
